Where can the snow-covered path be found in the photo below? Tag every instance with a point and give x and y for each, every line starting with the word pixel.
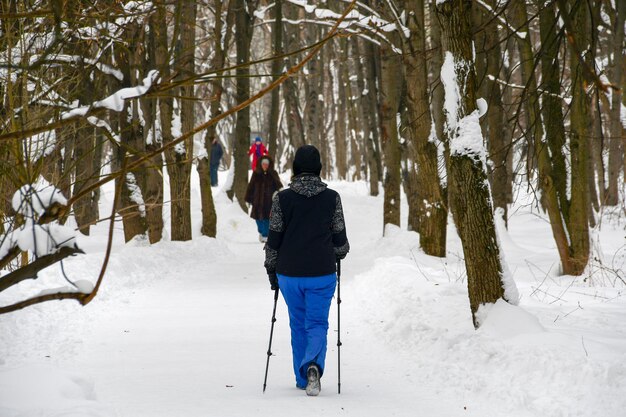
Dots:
pixel 181 329
pixel 194 343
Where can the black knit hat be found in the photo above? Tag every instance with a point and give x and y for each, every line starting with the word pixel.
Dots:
pixel 307 159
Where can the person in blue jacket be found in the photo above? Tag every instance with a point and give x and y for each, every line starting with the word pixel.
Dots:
pixel 306 237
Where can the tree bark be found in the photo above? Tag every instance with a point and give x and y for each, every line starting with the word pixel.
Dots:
pixel 580 116
pixel 534 128
pixel 390 85
pixel 550 158
pixel 367 116
pixel 132 140
pixel 616 150
pixel 178 159
pixel 295 123
pixel 313 90
pixel 277 32
pixel 499 145
pixel 243 28
pixel 370 76
pixel 341 111
pixel 430 206
pixel 209 215
pixel 153 139
pixel 471 200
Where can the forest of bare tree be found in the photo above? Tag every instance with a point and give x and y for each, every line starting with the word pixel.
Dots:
pixel 135 92
pixel 439 185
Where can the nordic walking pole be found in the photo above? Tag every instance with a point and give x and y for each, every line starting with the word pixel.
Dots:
pixel 269 348
pixel 338 326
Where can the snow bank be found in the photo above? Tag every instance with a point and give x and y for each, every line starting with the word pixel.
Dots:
pixel 517 362
pixel 41 390
pixel 503 320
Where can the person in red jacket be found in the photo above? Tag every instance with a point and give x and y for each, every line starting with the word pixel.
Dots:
pixel 257 150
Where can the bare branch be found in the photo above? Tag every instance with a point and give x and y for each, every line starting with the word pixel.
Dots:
pixel 31 270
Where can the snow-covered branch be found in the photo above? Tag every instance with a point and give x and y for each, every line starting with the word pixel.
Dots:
pixel 521 87
pixel 31 203
pixel 372 23
pixel 515 32
pixel 354 32
pixel 116 100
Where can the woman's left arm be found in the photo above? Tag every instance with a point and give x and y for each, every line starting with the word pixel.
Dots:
pixel 275 236
pixel 338 227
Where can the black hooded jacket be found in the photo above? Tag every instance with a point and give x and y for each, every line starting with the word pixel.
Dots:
pixel 307 230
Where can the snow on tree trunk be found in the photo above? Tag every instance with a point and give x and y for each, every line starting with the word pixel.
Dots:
pixel 470 197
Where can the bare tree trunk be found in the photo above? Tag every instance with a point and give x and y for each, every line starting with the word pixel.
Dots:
pixel 508 128
pixel 498 145
pixel 471 206
pixel 354 133
pixel 295 124
pixel 209 216
pixel 551 161
pixel 580 116
pixel 595 165
pixel 243 10
pixel 152 188
pixel 371 107
pixel 178 159
pixel 367 117
pixel 534 129
pixel 430 206
pixel 435 69
pixel 84 175
pixel 276 69
pixel 85 208
pixel 341 134
pixel 616 150
pixel 390 85
pixel 132 142
pixel 180 174
pixel 313 90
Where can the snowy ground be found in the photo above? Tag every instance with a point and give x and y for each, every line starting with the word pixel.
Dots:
pixel 181 329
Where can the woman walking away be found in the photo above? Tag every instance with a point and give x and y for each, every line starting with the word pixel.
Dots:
pixel 257 150
pixel 263 184
pixel 307 236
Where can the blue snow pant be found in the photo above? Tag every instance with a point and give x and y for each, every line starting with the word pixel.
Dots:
pixel 263 226
pixel 308 301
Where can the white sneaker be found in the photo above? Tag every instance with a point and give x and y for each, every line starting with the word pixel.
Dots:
pixel 313 386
